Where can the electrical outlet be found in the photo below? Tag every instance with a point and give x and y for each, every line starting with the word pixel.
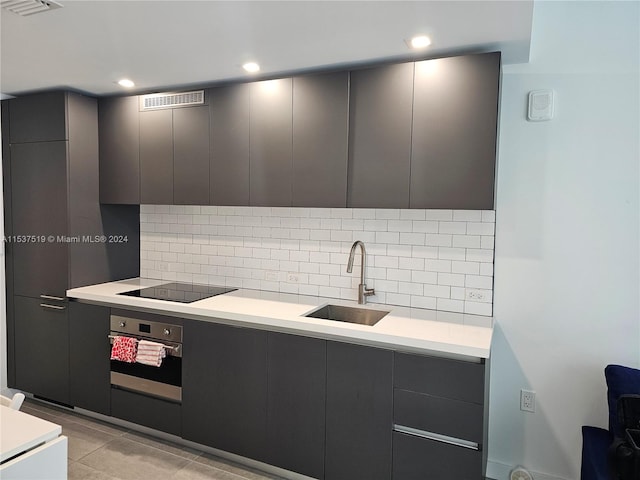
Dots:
pixel 527 400
pixel 292 277
pixel 475 294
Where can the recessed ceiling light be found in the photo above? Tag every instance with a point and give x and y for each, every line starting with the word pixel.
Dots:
pixel 251 67
pixel 420 41
pixel 126 83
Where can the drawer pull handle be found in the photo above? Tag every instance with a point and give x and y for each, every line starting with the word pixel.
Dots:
pixel 52 297
pixel 458 442
pixel 53 307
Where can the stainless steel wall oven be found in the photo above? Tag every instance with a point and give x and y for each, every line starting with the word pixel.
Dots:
pixel 164 381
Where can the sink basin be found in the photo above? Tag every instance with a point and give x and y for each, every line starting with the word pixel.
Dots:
pixel 361 316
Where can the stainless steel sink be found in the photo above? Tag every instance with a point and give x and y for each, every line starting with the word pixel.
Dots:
pixel 361 316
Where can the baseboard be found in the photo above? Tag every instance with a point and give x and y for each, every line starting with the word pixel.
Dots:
pixel 500 471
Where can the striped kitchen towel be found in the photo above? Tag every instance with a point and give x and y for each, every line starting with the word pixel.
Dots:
pixel 150 353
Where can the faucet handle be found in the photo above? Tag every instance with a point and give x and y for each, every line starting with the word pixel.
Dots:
pixel 367 292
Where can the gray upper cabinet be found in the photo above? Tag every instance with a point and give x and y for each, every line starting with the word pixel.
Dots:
pixel 271 142
pixel 380 136
pixel 174 156
pixel 407 135
pixel 454 132
pixel 119 150
pixel 320 127
pixel 229 145
pixel 38 118
pixel 156 157
pixel 39 200
pixel 191 156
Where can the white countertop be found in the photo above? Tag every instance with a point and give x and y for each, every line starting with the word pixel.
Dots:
pixel 20 432
pixel 407 329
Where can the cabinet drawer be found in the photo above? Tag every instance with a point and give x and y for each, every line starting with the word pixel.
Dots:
pixel 147 411
pixel 441 377
pixel 417 458
pixel 444 416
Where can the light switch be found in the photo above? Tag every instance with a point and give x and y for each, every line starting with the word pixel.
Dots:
pixel 540 105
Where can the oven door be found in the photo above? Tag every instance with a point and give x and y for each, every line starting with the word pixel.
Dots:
pixel 163 382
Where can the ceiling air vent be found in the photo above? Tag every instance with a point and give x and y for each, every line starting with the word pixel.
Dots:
pixel 28 7
pixel 171 100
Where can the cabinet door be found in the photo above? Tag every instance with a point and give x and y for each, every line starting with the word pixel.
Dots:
pixel 119 150
pixel 39 202
pixel 224 388
pixel 454 132
pixel 156 157
pixel 320 126
pixel 359 412
pixel 191 156
pixel 38 118
pixel 417 458
pixel 380 136
pixel 270 143
pixel 296 403
pixel 229 148
pixel 42 348
pixel 89 352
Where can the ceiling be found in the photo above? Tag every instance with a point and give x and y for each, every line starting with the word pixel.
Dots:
pixel 89 45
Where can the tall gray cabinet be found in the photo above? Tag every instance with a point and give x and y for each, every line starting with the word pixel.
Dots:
pixel 58 235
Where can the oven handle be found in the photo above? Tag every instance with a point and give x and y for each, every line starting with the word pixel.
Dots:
pixel 168 347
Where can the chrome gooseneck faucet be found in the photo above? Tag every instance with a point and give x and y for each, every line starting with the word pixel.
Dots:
pixel 363 291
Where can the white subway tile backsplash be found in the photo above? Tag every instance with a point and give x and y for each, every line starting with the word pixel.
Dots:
pixel 457 228
pixel 420 301
pixel 449 305
pixel 478 281
pixel 477 308
pixel 431 259
pixel 472 268
pixel 467 241
pixel 480 228
pixel 489 216
pixel 486 269
pixel 467 215
pixel 425 227
pixel 487 242
pixel 438 240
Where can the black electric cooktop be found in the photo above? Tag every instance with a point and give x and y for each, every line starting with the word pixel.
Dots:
pixel 179 292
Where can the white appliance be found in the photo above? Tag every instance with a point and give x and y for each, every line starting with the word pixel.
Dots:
pixel 31 447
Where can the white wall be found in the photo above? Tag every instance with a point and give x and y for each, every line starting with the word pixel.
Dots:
pixel 567 282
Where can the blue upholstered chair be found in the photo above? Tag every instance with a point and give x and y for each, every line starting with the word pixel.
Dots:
pixel 596 441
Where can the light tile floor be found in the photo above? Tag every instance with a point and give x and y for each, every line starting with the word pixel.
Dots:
pixel 101 451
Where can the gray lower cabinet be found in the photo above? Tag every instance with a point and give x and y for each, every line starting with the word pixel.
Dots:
pixel 224 401
pixel 119 130
pixel 453 141
pixel 229 145
pixel 55 217
pixel 89 352
pixel 42 348
pixel 439 413
pixel 359 415
pixel 296 403
pixel 416 458
pixel 320 150
pixel 381 105
pixel 271 153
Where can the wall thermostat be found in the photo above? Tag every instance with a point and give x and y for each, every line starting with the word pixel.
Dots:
pixel 540 105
